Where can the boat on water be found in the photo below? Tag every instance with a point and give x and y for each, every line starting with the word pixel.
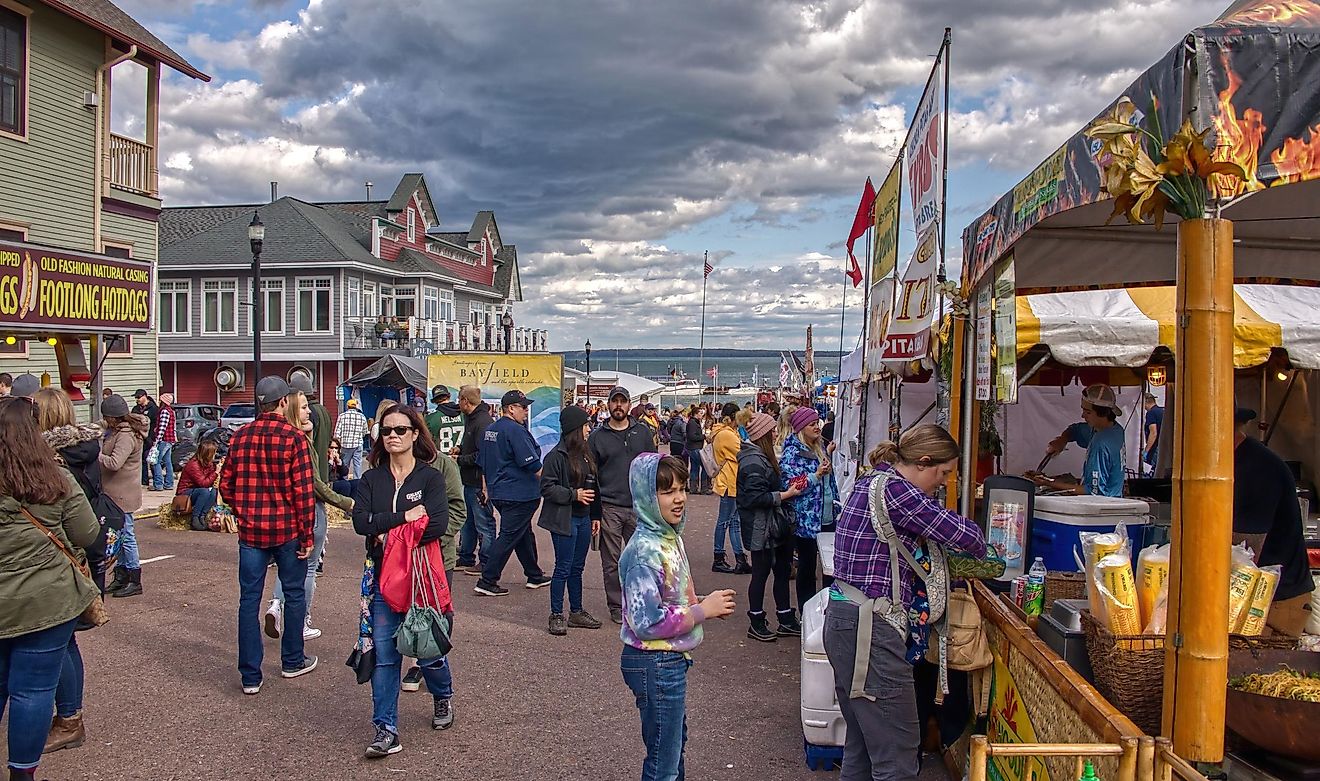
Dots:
pixel 743 391
pixel 682 388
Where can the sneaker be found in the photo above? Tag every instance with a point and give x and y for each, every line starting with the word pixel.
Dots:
pixel 320 568
pixel 309 664
pixel 386 743
pixel 273 619
pixel 616 615
pixel 252 689
pixel 443 717
pixel 472 569
pixel 558 626
pixel 413 680
pixel 310 632
pixel 581 619
pixel 488 589
pixel 538 582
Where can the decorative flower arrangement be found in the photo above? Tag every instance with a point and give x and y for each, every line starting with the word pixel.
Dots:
pixel 1148 175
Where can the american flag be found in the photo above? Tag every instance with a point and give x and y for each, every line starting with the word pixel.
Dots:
pixel 713 372
pixel 709 268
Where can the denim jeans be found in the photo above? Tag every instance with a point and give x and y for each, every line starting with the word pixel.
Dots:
pixel 480 525
pixel 515 537
pixel 728 519
pixel 353 457
pixel 658 680
pixel 388 675
pixel 69 693
pixel 292 571
pixel 203 499
pixel 696 469
pixel 29 673
pixel 126 547
pixel 163 467
pixel 318 545
pixel 570 559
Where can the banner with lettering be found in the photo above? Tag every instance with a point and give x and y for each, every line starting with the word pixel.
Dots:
pixel 908 338
pixel 885 255
pixel 540 377
pixel 878 314
pixel 56 290
pixel 924 154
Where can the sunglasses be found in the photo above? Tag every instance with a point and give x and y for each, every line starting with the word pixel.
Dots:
pixel 397 431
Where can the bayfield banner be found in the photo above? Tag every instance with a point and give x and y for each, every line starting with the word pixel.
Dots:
pixel 54 290
pixel 540 377
pixel 885 255
pixel 924 154
pixel 909 327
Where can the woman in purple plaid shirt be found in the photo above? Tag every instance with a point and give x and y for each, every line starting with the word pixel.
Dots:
pixel 873 675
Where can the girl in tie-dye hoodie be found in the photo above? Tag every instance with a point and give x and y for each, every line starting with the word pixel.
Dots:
pixel 661 617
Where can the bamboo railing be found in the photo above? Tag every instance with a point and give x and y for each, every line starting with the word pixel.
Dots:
pixel 1170 766
pixel 1129 750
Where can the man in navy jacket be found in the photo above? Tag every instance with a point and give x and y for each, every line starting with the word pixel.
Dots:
pixel 511 470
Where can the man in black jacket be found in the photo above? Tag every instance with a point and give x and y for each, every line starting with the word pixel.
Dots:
pixel 614 445
pixel 147 407
pixel 480 525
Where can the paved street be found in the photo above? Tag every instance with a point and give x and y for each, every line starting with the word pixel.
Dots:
pixel 163 698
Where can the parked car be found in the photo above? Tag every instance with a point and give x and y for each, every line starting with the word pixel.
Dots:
pixel 190 420
pixel 236 415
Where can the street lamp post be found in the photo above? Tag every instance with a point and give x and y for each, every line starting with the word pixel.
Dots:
pixel 588 372
pixel 256 235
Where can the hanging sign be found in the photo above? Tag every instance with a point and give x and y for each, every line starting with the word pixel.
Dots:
pixel 985 304
pixel 48 289
pixel 908 336
pixel 924 154
pixel 885 255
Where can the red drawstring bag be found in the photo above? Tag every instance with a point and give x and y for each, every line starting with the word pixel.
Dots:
pixel 395 578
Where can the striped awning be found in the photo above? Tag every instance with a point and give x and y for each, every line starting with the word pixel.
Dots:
pixel 1123 328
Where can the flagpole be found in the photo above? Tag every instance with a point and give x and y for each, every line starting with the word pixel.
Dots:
pixel 701 352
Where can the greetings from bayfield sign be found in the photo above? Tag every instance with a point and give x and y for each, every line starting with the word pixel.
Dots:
pixel 47 289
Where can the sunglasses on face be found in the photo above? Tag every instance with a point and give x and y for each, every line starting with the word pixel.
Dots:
pixel 397 431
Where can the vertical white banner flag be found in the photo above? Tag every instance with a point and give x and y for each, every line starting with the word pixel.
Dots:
pixel 908 336
pixel 924 154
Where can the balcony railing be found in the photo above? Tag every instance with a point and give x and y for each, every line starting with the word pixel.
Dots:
pixel 420 336
pixel 130 165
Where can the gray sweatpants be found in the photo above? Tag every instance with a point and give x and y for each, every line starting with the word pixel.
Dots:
pixel 616 528
pixel 883 738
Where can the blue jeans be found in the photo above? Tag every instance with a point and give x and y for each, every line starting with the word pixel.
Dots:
pixel 353 457
pixel 69 693
pixel 728 519
pixel 203 499
pixel 29 673
pixel 480 524
pixel 292 571
pixel 318 546
pixel 658 680
pixel 515 537
pixel 388 675
pixel 126 547
pixel 163 466
pixel 570 560
pixel 696 468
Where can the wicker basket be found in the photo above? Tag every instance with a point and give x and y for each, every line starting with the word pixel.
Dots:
pixel 1129 672
pixel 1063 585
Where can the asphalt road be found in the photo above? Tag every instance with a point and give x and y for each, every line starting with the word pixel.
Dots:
pixel 163 699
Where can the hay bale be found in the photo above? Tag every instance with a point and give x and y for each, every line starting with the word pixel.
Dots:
pixel 166 518
pixel 336 518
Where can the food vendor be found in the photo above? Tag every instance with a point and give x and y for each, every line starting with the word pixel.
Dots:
pixel 1268 518
pixel 1102 436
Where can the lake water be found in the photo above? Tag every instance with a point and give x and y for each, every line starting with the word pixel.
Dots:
pixel 733 368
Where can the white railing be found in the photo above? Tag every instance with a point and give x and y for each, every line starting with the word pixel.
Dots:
pixel 419 334
pixel 130 164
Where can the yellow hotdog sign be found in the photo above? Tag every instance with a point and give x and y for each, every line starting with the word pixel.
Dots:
pixel 55 290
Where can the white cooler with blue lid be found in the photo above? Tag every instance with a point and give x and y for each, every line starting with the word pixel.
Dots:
pixel 1059 521
pixel 822 721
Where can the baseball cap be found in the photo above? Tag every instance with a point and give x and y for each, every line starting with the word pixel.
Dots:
pixel 440 392
pixel 25 385
pixel 114 406
pixel 139 393
pixel 352 403
pixel 515 397
pixel 619 390
pixel 272 389
pixel 301 382
pixel 1101 395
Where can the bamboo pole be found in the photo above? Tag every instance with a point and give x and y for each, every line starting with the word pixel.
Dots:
pixel 1146 758
pixel 1196 654
pixel 1127 764
pixel 979 757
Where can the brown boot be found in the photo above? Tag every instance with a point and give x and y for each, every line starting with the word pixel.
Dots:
pixel 65 733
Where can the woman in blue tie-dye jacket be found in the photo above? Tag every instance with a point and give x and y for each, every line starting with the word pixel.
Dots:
pixel 806 455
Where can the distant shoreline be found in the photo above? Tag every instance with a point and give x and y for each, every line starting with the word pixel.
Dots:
pixel 689 352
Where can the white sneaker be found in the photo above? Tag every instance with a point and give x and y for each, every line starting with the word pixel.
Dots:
pixel 274 619
pixel 310 632
pixel 252 689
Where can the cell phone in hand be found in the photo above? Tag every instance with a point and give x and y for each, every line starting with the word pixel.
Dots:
pixel 798 483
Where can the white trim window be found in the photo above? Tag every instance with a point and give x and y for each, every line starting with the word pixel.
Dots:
pixel 405 300
pixel 412 225
pixel 315 314
pixel 272 307
pixel 370 303
pixel 430 303
pixel 387 300
pixel 175 308
pixel 219 306
pixel 446 310
pixel 354 297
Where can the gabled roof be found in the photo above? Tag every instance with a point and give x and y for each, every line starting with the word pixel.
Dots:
pixel 483 219
pixel 180 222
pixel 507 283
pixel 457 239
pixel 296 232
pixel 357 216
pixel 417 262
pixel 105 16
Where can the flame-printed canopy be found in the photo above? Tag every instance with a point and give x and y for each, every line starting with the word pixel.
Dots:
pixel 1251 74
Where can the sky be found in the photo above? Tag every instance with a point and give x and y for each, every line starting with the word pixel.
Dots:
pixel 619 141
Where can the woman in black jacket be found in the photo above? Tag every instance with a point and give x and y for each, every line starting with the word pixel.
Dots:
pixel 571 513
pixel 400 488
pixel 771 547
pixel 695 440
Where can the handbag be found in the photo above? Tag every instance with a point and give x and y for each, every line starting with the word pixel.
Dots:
pixel 153 455
pixel 181 504
pixel 424 633
pixel 94 614
pixel 783 522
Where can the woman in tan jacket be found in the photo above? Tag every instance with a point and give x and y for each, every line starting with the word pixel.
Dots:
pixel 121 470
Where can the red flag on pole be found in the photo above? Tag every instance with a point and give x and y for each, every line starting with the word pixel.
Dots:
pixel 860 223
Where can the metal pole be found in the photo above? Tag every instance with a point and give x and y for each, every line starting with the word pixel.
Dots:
pixel 701 351
pixel 588 374
pixel 258 321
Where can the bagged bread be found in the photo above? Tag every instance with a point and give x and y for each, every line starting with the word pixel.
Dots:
pixel 1152 577
pixel 1258 610
pixel 1096 546
pixel 1118 591
pixel 1242 577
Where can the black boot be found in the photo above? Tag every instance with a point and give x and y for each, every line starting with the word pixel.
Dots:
pixel 134 585
pixel 744 566
pixel 121 580
pixel 22 775
pixel 788 624
pixel 721 565
pixel 760 628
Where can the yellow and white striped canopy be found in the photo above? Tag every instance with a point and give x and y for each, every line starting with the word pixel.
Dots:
pixel 1124 327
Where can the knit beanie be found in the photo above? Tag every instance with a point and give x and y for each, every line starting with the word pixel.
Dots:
pixel 760 425
pixel 572 418
pixel 803 417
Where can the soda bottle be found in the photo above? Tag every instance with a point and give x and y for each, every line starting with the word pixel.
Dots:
pixel 1035 596
pixel 1088 773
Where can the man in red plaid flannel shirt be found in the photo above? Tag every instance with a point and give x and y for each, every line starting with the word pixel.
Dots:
pixel 267 481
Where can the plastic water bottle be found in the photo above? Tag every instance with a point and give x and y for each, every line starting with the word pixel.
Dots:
pixel 1035 596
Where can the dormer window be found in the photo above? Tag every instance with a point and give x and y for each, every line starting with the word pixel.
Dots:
pixel 412 225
